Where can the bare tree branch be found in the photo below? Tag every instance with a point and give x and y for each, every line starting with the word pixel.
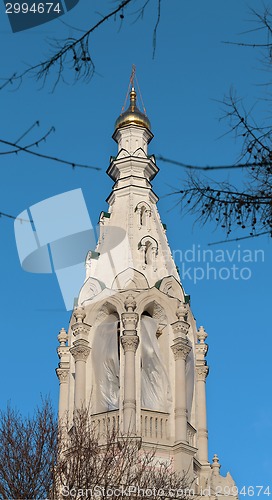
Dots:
pixel 43 459
pixel 207 167
pixel 25 149
pixel 28 450
pixel 74 53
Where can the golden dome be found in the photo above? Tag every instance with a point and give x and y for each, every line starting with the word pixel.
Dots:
pixel 132 116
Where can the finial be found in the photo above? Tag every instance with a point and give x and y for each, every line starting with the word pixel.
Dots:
pixel 132 76
pixel 133 97
pixel 182 311
pixel 202 335
pixel 215 465
pixel 62 337
pixel 79 314
pixel 133 116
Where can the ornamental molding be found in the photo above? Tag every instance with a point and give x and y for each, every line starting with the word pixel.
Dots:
pixel 130 343
pixel 201 349
pixel 130 320
pixel 62 351
pixel 180 412
pixel 180 328
pixel 80 329
pixel 130 303
pixel 129 403
pixel 180 350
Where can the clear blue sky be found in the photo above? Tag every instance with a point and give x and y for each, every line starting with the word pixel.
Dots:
pixel 181 87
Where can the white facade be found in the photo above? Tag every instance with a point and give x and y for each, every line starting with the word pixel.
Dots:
pixel 133 352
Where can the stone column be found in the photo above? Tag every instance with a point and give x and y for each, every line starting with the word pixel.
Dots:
pixel 80 351
pixel 63 372
pixel 129 341
pixel 181 349
pixel 202 371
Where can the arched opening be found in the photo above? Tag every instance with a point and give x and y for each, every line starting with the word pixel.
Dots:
pixel 148 253
pixel 143 215
pixel 106 363
pixel 155 385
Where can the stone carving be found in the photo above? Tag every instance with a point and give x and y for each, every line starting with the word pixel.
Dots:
pixel 79 314
pixel 222 485
pixel 130 321
pixel 180 350
pixel 202 372
pixel 62 337
pixel 130 303
pixel 201 335
pixel 180 328
pixel 182 311
pixel 81 329
pixel 80 351
pixel 63 375
pixel 130 342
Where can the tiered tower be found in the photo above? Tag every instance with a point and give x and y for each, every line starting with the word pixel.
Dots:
pixel 133 353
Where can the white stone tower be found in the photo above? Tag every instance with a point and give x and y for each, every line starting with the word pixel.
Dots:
pixel 133 352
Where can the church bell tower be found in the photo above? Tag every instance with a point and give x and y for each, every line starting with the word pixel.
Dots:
pixel 133 353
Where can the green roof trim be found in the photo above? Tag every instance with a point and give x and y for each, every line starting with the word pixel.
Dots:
pixel 106 214
pixel 158 284
pixel 164 226
pixel 187 299
pixel 95 255
pixel 177 268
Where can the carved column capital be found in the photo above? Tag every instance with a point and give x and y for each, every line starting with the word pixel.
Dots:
pixel 80 350
pixel 202 372
pixel 63 375
pixel 181 350
pixel 130 342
